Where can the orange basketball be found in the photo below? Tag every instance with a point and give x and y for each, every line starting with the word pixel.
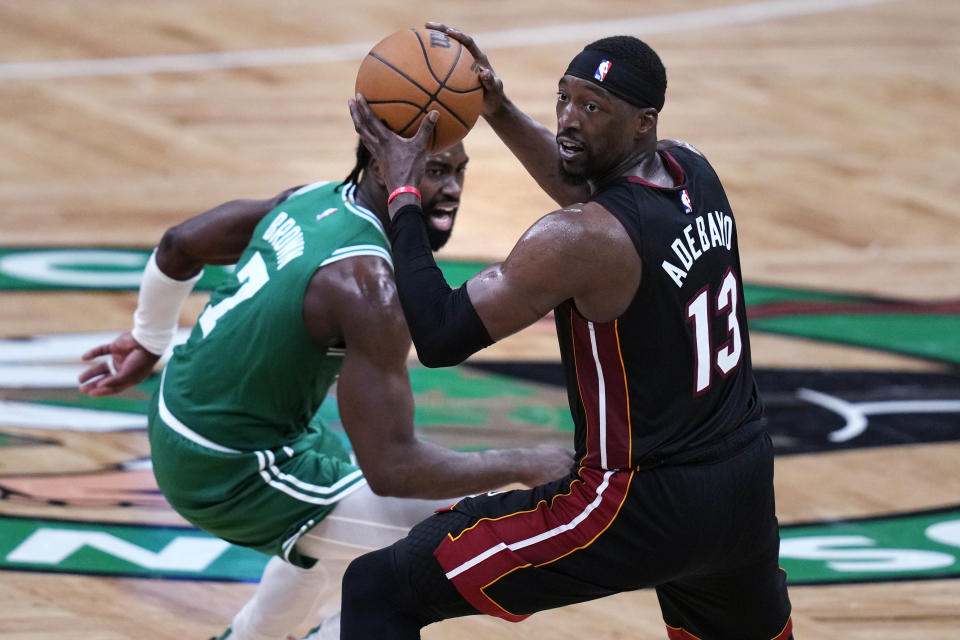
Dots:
pixel 410 73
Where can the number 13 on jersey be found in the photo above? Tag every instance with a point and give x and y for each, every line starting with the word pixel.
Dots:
pixel 726 356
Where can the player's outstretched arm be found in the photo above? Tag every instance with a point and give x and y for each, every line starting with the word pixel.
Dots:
pixel 567 254
pixel 217 236
pixel 376 402
pixel 532 143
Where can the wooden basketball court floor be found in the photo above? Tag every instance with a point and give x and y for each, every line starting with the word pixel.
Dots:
pixel 832 122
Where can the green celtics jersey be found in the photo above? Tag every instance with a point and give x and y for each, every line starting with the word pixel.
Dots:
pixel 250 376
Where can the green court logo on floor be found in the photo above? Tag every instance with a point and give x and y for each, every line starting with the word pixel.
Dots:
pixel 915 546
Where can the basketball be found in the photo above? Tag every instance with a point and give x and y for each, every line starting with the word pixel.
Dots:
pixel 410 73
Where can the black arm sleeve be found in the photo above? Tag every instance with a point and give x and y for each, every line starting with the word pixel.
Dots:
pixel 445 327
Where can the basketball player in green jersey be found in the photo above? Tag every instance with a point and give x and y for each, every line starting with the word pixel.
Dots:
pixel 236 448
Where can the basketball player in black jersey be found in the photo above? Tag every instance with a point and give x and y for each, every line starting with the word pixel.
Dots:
pixel 673 484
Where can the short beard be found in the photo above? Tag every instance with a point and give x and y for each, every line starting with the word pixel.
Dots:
pixel 437 238
pixel 572 179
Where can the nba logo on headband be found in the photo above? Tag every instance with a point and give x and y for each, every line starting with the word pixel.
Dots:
pixel 602 70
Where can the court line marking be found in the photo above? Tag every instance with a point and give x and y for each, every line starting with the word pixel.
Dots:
pixel 507 38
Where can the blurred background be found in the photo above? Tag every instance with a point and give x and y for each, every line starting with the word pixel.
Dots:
pixel 832 124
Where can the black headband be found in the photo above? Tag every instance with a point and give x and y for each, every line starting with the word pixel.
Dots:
pixel 619 78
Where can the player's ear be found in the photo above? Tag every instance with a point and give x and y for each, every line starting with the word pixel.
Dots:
pixel 646 122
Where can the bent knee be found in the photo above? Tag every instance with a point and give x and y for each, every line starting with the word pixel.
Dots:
pixel 370 578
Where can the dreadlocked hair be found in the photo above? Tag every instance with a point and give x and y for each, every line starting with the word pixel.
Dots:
pixel 363 159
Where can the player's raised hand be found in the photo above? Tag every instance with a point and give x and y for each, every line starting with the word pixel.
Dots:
pixel 128 364
pixel 402 161
pixel 493 96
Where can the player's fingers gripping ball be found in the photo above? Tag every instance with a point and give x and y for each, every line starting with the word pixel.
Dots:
pixel 410 73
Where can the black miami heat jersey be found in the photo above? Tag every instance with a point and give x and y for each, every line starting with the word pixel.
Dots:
pixel 673 373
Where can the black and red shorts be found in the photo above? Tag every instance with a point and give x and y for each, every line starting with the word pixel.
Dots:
pixel 704 535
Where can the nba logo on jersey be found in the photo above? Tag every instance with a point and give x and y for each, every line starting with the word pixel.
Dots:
pixel 602 70
pixel 685 200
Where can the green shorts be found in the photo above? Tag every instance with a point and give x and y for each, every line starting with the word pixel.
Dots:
pixel 263 499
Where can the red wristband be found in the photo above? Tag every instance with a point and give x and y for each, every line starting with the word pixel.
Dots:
pixel 407 189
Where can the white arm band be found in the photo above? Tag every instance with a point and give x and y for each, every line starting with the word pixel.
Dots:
pixel 158 307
